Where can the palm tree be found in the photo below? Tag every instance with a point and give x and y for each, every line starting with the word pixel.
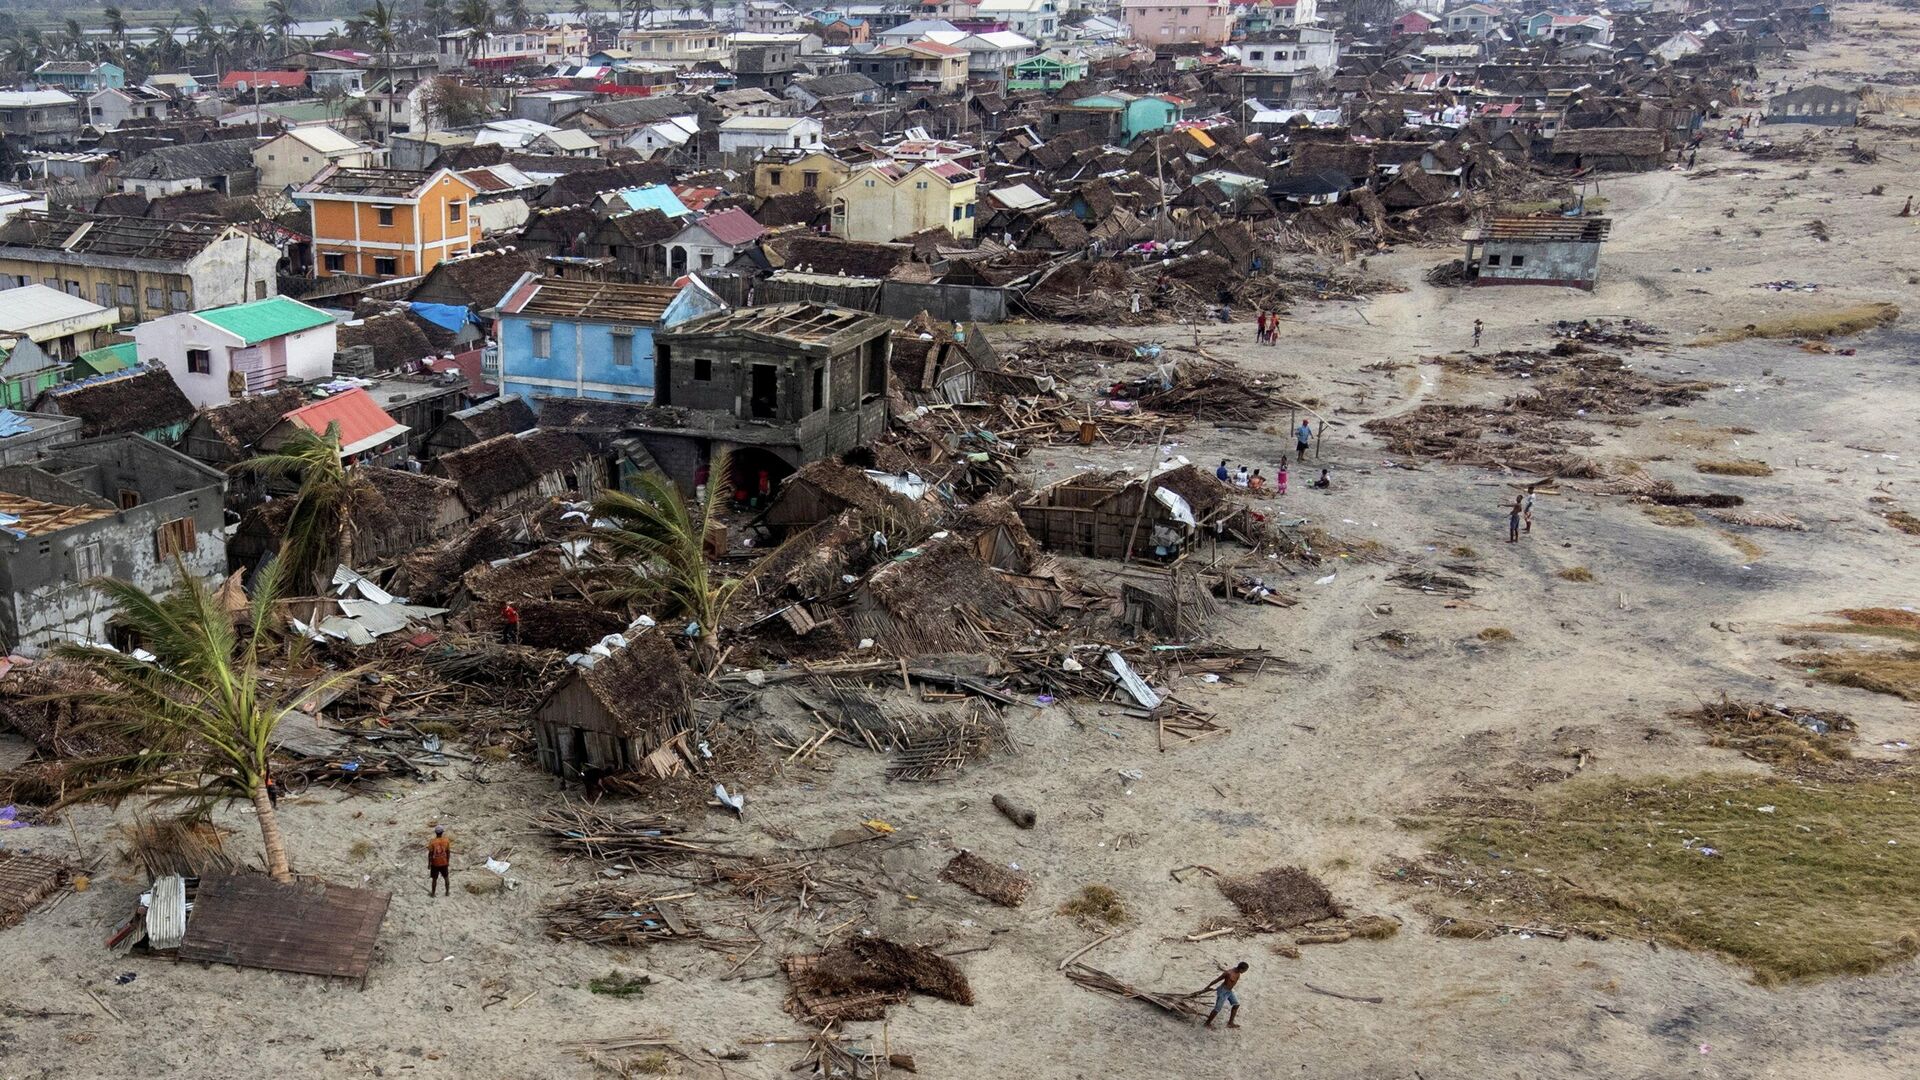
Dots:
pixel 706 9
pixel 656 553
pixel 319 530
pixel 280 17
pixel 116 25
pixel 476 15
pixel 200 711
pixel 518 15
pixel 24 50
pixel 73 39
pixel 438 15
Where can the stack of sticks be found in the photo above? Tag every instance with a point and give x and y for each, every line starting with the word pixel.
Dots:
pixel 616 916
pixel 1185 1006
pixel 644 842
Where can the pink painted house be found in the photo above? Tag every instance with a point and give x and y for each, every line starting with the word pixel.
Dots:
pixel 1414 22
pixel 1171 22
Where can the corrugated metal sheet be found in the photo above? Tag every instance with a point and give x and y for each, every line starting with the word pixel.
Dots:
pixel 308 927
pixel 1130 681
pixel 167 912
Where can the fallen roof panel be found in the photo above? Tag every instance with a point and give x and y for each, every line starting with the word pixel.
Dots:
pixel 309 927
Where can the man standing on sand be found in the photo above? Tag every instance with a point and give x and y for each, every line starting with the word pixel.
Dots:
pixel 1223 995
pixel 1513 522
pixel 1476 333
pixel 439 858
pixel 1303 438
pixel 1526 511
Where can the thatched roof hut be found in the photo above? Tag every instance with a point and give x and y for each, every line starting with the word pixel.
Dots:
pixel 607 717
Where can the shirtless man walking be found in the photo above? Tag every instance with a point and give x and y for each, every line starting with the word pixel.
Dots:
pixel 1223 995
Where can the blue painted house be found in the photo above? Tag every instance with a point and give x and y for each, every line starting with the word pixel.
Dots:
pixel 80 76
pixel 563 338
pixel 1138 114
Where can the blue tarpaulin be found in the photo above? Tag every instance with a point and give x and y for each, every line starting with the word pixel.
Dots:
pixel 12 423
pixel 445 316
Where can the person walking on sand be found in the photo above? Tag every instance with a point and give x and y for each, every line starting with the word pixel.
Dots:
pixel 439 858
pixel 1280 477
pixel 1476 333
pixel 1513 522
pixel 1302 438
pixel 1224 996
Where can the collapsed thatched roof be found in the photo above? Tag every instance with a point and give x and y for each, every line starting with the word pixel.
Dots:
pixel 241 423
pixel 643 688
pixel 1610 142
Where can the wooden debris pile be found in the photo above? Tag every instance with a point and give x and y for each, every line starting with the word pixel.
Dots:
pixel 649 842
pixel 618 916
pixel 25 881
pixel 859 979
pixel 999 884
pixel 178 846
pixel 1217 391
pixel 1279 898
pixel 1785 736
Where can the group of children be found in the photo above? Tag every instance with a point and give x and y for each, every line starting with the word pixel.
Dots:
pixel 1267 328
pixel 1257 482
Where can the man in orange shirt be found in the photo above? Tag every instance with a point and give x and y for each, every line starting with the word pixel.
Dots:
pixel 439 857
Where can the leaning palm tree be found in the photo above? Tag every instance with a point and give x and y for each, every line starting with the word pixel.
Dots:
pixel 280 19
pixel 116 22
pixel 518 15
pixel 655 554
pixel 24 50
pixel 319 529
pixel 477 16
pixel 200 711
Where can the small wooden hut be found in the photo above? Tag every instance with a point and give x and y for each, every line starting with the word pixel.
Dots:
pixel 607 717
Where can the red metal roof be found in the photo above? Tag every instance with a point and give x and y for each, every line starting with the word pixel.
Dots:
pixel 695 198
pixel 362 423
pixel 732 226
pixel 266 80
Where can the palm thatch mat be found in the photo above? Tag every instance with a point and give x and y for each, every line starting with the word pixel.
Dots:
pixel 1280 898
pixel 982 878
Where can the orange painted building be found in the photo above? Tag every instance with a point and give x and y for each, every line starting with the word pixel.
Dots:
pixel 386 223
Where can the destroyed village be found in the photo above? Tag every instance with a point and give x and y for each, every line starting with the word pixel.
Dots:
pixel 1139 540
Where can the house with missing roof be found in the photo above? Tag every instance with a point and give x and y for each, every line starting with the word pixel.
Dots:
pixel 386 223
pixel 229 352
pixel 120 506
pixel 145 269
pixel 561 338
pixel 115 105
pixel 225 166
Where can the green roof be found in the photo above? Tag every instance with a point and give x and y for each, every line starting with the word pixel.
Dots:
pixel 303 112
pixel 263 319
pixel 112 358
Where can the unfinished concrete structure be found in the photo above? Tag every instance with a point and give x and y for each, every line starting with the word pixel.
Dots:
pixel 777 386
pixel 119 506
pixel 1537 251
pixel 1815 105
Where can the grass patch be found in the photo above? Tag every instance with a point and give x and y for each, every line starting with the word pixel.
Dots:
pixel 616 984
pixel 1096 903
pixel 1748 549
pixel 360 849
pixel 1805 889
pixel 1903 521
pixel 1575 573
pixel 1462 551
pixel 437 727
pixel 1813 324
pixel 493 755
pixel 1876 622
pixel 1495 633
pixel 1895 672
pixel 1734 467
pixel 1675 517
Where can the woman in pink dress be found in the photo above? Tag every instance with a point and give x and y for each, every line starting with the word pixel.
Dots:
pixel 1280 478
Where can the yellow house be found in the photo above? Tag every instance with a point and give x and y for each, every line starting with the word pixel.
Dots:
pixel 785 171
pixel 385 223
pixel 888 199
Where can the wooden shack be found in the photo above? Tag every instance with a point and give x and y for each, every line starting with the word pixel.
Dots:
pixel 607 716
pixel 825 489
pixel 1097 515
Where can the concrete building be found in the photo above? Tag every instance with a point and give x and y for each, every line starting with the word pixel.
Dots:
pixel 225 353
pixel 297 155
pixel 927 67
pixel 753 134
pixel 1815 105
pixel 384 223
pixel 506 49
pixel 771 17
pixel 681 46
pixel 225 166
pixel 26 435
pixel 62 324
pixel 121 507
pixel 1299 50
pixel 145 269
pixel 589 339
pixel 784 172
pixel 883 200
pixel 80 77
pixel 1037 19
pixel 712 240
pixel 114 106
pixel 1477 20
pixel 32 119
pixel 777 386
pixel 1537 251
pixel 1208 23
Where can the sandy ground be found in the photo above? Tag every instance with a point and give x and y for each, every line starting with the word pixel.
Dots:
pixel 1596 665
